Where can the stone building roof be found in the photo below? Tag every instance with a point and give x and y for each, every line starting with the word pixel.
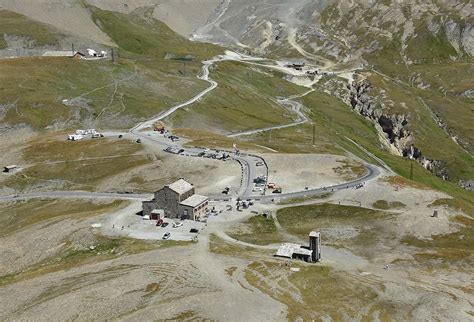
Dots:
pixel 194 201
pixel 287 250
pixel 181 186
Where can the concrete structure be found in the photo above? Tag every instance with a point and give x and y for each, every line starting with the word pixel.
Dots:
pixel 315 246
pixel 308 254
pixel 296 251
pixel 64 53
pixel 10 168
pixel 75 137
pixel 177 200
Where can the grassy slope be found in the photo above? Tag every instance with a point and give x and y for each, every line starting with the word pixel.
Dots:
pixel 426 131
pixel 257 230
pixel 78 165
pixel 38 85
pixel 316 292
pixel 300 220
pixel 149 37
pixel 24 214
pixel 243 100
pixel 14 24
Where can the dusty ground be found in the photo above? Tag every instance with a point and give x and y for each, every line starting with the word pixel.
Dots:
pixel 139 286
pixel 68 16
pixel 415 217
pixel 294 172
pixel 154 281
pixel 123 223
pixel 181 16
pixel 209 176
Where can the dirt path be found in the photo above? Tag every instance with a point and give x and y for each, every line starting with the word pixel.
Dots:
pixel 294 107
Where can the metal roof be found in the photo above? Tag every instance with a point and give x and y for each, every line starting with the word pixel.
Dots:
pixel 287 250
pixel 61 53
pixel 194 201
pixel 314 234
pixel 181 186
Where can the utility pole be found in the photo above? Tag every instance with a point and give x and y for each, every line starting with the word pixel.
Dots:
pixel 73 48
pixel 184 68
pixel 314 134
pixel 411 171
pixel 112 54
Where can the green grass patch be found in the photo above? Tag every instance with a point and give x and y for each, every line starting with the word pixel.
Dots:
pixel 14 24
pixel 453 248
pixel 105 248
pixel 37 86
pixel 347 226
pixel 309 293
pixel 350 169
pixel 147 36
pixel 244 100
pixel 220 247
pixel 385 205
pixel 78 165
pixel 20 215
pixel 257 230
pixel 305 199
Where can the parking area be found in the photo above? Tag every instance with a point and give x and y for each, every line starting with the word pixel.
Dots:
pixel 127 222
pixel 186 230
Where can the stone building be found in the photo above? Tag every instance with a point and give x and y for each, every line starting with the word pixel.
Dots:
pixel 177 200
pixel 311 253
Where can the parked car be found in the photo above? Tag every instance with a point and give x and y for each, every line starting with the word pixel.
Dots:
pixel 120 136
pixel 166 236
pixel 139 141
pixel 164 224
pixel 272 185
pixel 159 222
pixel 194 230
pixel 257 189
pixel 277 190
pixel 177 224
pixel 259 163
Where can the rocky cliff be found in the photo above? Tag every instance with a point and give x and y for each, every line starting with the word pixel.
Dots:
pixel 394 129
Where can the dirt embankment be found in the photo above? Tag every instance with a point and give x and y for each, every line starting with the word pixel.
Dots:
pixel 68 16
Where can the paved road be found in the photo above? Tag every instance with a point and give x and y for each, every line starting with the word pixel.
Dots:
pixel 372 173
pixel 294 106
pixel 248 162
pixel 75 195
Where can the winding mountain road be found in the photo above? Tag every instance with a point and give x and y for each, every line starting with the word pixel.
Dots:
pixel 248 162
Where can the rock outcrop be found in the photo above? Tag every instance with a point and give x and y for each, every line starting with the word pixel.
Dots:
pixel 393 128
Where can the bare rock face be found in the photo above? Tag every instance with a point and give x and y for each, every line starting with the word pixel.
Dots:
pixel 467 39
pixel 394 128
